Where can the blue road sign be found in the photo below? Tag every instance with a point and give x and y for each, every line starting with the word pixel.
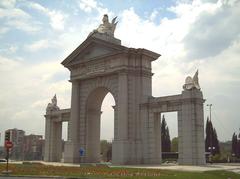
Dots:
pixel 81 152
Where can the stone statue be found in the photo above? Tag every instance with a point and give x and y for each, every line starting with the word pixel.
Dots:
pixel 106 27
pixel 191 83
pixel 53 106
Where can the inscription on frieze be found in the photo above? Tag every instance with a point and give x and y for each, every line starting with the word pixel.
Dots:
pixel 92 68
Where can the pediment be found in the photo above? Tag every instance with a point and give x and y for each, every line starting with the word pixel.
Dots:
pixel 90 49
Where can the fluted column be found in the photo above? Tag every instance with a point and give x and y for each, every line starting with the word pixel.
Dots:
pixel 71 153
pixel 123 107
pixel 47 145
pixel 53 140
pixel 74 119
pixel 121 147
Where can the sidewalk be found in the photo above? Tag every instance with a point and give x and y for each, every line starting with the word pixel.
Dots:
pixel 208 167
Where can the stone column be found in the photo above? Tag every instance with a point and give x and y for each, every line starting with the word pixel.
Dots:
pixel 180 137
pixel 93 141
pixel 191 134
pixel 53 140
pixel 68 131
pixel 115 122
pixel 157 135
pixel 145 115
pixel 71 154
pixel 123 107
pixel 120 144
pixel 57 142
pixel 47 144
pixel 154 140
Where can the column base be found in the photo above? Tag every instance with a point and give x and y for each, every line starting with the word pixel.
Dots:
pixel 71 153
pixel 120 152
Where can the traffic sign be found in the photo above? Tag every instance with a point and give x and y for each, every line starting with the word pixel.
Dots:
pixel 81 152
pixel 8 144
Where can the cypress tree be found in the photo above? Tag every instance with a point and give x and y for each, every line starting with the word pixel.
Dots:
pixel 211 141
pixel 207 140
pixel 165 137
pixel 215 143
pixel 234 143
pixel 209 136
pixel 163 134
pixel 168 141
pixel 238 145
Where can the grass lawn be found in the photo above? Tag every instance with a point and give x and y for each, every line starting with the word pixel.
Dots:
pixel 106 172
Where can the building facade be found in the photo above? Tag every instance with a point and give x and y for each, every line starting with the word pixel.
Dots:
pixel 17 138
pixel 33 147
pixel 25 147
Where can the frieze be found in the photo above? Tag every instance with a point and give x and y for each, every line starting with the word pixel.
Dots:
pixel 83 70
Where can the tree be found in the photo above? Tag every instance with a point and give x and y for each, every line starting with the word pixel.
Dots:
pixel 174 144
pixel 238 146
pixel 208 138
pixel 215 143
pixel 211 141
pixel 165 137
pixel 106 150
pixel 234 144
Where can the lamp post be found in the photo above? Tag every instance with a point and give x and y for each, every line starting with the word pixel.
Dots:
pixel 210 110
pixel 211 142
pixel 211 148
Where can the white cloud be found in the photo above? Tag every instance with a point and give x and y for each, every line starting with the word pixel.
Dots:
pixel 164 37
pixel 16 18
pixel 26 91
pixel 87 5
pixel 37 6
pixel 57 18
pixel 14 14
pixel 13 48
pixel 4 30
pixel 38 45
pixel 23 25
pixel 10 49
pixel 209 34
pixel 7 65
pixel 7 3
pixel 154 14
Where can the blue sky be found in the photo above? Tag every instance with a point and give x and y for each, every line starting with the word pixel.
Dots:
pixel 37 35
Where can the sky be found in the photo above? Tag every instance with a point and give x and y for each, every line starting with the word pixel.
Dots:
pixel 36 36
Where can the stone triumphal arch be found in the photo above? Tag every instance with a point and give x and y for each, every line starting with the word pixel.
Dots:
pixel 101 65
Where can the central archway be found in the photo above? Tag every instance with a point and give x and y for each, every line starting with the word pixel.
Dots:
pixel 93 122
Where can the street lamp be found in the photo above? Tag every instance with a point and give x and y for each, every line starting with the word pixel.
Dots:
pixel 210 110
pixel 211 148
pixel 211 155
